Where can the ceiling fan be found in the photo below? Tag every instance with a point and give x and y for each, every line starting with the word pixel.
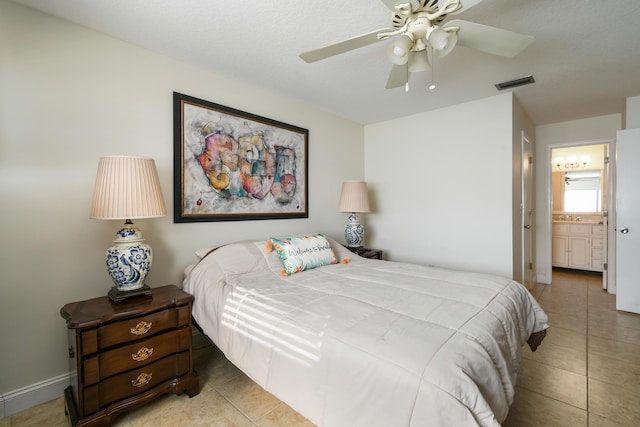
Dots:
pixel 422 35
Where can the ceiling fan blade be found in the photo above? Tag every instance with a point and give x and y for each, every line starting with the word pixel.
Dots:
pixel 342 47
pixel 490 39
pixel 391 4
pixel 466 5
pixel 398 76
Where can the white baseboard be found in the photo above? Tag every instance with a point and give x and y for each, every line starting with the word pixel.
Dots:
pixel 34 394
pixel 541 278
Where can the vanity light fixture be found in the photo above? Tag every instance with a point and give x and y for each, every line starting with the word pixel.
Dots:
pixel 571 163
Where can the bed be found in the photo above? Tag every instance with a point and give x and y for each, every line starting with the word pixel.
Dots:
pixel 362 342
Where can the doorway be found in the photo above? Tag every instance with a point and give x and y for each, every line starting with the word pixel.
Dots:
pixel 578 191
pixel 526 211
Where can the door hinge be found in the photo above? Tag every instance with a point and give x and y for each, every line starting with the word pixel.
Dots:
pixel 605 266
pixel 530 160
pixel 530 266
pixel 72 353
pixel 606 160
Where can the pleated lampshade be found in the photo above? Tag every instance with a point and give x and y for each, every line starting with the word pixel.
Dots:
pixel 127 188
pixel 354 197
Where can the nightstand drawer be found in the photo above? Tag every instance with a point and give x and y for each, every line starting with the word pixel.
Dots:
pixel 134 382
pixel 125 331
pixel 135 355
pixel 127 354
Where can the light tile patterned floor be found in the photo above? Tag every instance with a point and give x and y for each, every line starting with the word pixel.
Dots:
pixel 587 370
pixel 585 373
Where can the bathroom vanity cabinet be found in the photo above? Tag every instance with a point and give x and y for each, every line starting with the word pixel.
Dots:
pixel 577 245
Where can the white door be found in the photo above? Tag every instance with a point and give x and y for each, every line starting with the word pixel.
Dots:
pixel 605 186
pixel 628 220
pixel 526 206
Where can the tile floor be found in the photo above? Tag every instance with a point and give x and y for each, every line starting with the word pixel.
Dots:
pixel 585 373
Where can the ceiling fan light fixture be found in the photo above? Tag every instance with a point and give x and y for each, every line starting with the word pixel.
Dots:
pixel 442 41
pixel 398 52
pixel 415 26
pixel 419 61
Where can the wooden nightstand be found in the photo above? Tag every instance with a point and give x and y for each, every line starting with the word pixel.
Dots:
pixel 127 354
pixel 366 253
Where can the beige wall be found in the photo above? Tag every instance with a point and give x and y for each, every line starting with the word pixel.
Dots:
pixel 70 95
pixel 442 186
pixel 632 113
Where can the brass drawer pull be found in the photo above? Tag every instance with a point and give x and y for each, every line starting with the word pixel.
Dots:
pixel 142 380
pixel 142 354
pixel 141 328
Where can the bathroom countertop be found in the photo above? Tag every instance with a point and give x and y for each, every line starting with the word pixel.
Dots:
pixel 558 221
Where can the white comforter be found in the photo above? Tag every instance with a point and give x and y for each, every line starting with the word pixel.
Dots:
pixel 369 343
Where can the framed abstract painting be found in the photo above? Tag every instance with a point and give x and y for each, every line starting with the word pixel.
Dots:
pixel 233 165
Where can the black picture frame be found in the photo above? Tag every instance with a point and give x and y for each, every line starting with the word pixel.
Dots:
pixel 230 165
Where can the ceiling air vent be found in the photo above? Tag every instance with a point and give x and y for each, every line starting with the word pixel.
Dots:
pixel 515 83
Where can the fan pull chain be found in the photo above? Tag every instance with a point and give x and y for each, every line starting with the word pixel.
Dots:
pixel 406 84
pixel 432 58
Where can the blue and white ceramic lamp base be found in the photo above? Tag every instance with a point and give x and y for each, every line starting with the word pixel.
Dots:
pixel 354 232
pixel 129 259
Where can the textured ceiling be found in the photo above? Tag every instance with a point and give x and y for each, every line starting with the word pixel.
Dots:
pixel 585 59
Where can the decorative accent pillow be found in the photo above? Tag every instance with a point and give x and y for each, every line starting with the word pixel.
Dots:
pixel 303 252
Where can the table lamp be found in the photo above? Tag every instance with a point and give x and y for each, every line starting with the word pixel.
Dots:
pixel 127 188
pixel 354 199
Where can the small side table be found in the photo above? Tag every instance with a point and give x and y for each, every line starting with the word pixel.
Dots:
pixel 366 253
pixel 127 354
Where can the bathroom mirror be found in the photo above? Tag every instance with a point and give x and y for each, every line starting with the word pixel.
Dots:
pixel 577 191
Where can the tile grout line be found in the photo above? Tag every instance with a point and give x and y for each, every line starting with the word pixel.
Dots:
pixel 587 349
pixel 544 291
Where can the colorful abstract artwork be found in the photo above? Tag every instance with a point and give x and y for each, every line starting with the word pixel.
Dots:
pixel 233 165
